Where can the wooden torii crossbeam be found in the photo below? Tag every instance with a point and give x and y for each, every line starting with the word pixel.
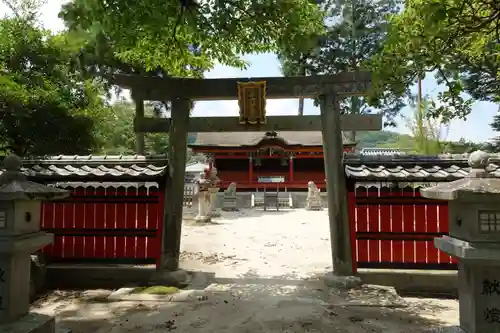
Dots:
pixel 351 122
pixel 329 89
pixel 151 88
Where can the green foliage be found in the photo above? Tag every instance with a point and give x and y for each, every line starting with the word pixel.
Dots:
pixel 428 133
pixel 354 33
pixel 177 36
pixel 494 145
pixel 116 131
pixel 455 39
pixel 47 107
pixel 381 139
pixel 405 142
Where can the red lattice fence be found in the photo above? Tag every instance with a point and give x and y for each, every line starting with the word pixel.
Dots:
pixel 105 224
pixel 395 228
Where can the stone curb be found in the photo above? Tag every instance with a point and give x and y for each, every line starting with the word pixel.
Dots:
pixel 125 294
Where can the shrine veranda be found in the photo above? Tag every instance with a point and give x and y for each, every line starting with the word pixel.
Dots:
pixel 258 161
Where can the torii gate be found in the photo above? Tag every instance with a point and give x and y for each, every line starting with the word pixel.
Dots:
pixel 252 94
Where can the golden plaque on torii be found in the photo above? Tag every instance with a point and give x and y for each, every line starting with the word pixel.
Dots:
pixel 252 102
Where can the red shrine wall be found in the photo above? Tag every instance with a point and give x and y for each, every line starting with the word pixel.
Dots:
pixel 248 173
pixel 242 179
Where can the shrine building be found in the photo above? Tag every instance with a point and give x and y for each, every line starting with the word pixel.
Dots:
pixel 256 160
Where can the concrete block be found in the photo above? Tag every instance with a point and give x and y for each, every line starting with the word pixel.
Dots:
pixel 448 329
pixel 30 323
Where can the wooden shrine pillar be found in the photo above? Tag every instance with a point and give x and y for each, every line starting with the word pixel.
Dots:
pixel 338 213
pixel 140 145
pixel 174 196
pixel 250 170
pixel 290 168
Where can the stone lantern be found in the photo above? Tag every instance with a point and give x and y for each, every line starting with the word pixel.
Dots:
pixel 20 235
pixel 474 219
pixel 213 188
pixel 203 198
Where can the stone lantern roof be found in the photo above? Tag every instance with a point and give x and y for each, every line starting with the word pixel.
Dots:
pixel 14 184
pixel 477 183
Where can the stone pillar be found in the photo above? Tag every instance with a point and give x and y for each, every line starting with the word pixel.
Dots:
pixel 204 207
pixel 314 201
pixel 290 169
pixel 20 236
pixel 338 212
pixel 174 191
pixel 229 201
pixel 250 170
pixel 474 222
pixel 213 201
pixel 213 188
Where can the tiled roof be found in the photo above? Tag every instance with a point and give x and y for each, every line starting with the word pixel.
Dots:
pixel 442 159
pixel 412 168
pixel 237 139
pixel 114 185
pixel 381 151
pixel 196 167
pixel 95 168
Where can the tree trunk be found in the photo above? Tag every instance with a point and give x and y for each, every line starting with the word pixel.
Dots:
pixel 301 106
pixel 301 100
pixel 355 109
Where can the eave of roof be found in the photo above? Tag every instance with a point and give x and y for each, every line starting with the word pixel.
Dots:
pixel 234 140
pixel 408 168
pixel 95 168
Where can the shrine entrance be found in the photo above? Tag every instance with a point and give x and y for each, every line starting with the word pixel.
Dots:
pixel 252 94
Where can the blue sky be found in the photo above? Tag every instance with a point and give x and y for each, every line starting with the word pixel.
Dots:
pixel 475 128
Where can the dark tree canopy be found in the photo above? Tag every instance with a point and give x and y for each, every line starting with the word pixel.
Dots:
pixel 178 36
pixel 457 40
pixel 355 31
pixel 47 107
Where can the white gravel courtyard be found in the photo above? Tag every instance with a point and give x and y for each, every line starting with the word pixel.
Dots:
pixel 288 243
pixel 259 272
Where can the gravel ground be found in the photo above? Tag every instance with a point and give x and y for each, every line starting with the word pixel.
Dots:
pixel 261 269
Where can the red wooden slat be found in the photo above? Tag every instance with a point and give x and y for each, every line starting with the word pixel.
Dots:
pixel 159 233
pixel 420 227
pixel 385 226
pixel 397 225
pixel 99 223
pixel 130 222
pixel 47 221
pixel 152 249
pixel 121 211
pixel 142 223
pixel 59 223
pixel 408 226
pixel 373 226
pixel 432 227
pixel 89 210
pixel 110 222
pixel 68 223
pixel 79 223
pixel 351 202
pixel 444 227
pixel 362 226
